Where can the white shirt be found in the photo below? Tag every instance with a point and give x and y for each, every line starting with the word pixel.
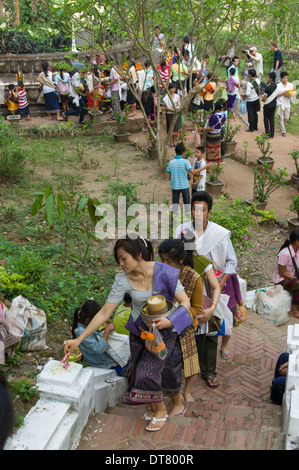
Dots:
pixel 201 185
pixel 48 89
pixel 251 94
pixel 284 100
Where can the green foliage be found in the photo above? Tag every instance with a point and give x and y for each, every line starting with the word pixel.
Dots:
pixel 266 182
pixel 264 145
pixel 11 284
pixel 294 207
pixel 23 390
pixel 215 172
pixel 231 130
pixel 233 214
pixel 12 155
pixel 295 156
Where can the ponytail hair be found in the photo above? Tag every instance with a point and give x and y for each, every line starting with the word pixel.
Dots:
pixel 177 248
pixel 45 66
pixel 135 245
pixel 294 236
pixel 88 310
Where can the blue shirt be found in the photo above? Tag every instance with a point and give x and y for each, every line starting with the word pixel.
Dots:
pixel 233 67
pixel 178 168
pixel 94 349
pixel 277 56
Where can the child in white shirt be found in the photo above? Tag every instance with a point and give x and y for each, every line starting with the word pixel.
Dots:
pixel 199 181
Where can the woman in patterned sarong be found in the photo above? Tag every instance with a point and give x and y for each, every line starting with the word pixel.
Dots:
pixel 213 138
pixel 173 253
pixel 286 270
pixel 150 377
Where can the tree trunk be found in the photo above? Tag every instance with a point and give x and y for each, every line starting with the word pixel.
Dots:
pixel 17 8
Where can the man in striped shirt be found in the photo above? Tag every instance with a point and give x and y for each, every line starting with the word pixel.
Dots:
pixel 164 72
pixel 179 168
pixel 23 103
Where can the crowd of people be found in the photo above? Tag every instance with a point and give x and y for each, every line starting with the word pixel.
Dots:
pixel 197 269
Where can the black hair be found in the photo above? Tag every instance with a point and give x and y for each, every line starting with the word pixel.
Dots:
pixel 218 105
pixel 135 246
pixel 45 66
pixel 21 84
pixel 6 412
pixel 163 63
pixel 186 39
pixel 232 71
pixel 175 248
pixel 202 196
pixel 61 73
pixel 88 310
pixel 201 149
pixel 153 89
pixel 252 72
pixel 127 298
pixel 234 58
pixel 284 74
pixel 11 86
pixel 272 76
pixel 180 148
pixel 294 236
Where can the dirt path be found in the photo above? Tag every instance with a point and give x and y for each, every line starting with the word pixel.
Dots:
pixel 238 177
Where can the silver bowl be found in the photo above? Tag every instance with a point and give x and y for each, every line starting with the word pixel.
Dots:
pixel 148 319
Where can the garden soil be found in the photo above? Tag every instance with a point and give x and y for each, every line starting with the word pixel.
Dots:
pixel 133 164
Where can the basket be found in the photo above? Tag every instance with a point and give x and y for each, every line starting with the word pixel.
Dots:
pixel 157 307
pixel 148 318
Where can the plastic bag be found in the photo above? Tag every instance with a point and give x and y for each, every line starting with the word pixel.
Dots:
pixel 197 138
pixel 240 315
pixel 225 315
pixel 270 303
pixel 28 323
pixel 119 349
pixel 243 107
pixel 154 342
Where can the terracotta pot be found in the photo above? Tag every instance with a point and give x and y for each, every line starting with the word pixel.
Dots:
pixel 293 224
pixel 230 147
pixel 295 181
pixel 124 137
pixel 214 188
pixel 269 160
pixel 259 205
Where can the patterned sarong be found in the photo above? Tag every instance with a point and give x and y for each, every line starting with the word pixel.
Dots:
pixel 213 147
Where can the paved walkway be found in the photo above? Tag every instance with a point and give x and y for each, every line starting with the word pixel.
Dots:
pixel 235 416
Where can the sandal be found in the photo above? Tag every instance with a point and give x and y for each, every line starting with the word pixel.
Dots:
pixel 225 354
pixel 211 378
pixel 147 417
pixel 154 421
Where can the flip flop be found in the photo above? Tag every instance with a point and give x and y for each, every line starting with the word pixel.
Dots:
pixel 225 354
pixel 211 379
pixel 147 417
pixel 182 413
pixel 154 421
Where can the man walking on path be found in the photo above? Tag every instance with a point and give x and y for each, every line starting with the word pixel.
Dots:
pixel 277 61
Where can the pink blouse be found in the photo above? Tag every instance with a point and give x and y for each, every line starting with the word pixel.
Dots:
pixel 284 259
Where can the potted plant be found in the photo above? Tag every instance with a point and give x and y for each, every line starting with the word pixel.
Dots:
pixel 293 223
pixel 14 117
pixel 265 183
pixel 214 185
pixel 263 143
pixel 200 120
pixel 121 118
pixel 295 176
pixel 230 131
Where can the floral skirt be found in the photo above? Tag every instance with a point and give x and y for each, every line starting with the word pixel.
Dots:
pixel 153 378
